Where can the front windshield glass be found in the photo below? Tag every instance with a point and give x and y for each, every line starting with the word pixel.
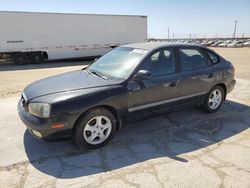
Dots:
pixel 118 63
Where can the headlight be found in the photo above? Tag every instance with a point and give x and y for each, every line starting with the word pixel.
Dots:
pixel 39 109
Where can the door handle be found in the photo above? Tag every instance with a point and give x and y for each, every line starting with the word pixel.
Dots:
pixel 172 84
pixel 210 75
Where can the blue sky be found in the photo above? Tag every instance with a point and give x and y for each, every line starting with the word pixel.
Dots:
pixel 184 17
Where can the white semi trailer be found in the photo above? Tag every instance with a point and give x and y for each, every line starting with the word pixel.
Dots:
pixel 29 37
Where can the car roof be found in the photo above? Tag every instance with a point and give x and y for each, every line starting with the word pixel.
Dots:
pixel 154 45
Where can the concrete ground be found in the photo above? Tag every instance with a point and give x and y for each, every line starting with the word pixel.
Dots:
pixel 187 148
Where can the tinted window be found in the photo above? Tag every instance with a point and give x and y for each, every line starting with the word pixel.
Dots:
pixel 192 59
pixel 213 58
pixel 155 56
pixel 160 63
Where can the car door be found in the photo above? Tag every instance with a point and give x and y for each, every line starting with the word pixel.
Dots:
pixel 160 88
pixel 196 74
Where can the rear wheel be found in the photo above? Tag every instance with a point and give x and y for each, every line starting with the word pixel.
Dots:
pixel 20 58
pixel 214 99
pixel 37 57
pixel 95 129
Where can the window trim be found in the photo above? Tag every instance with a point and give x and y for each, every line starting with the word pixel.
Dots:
pixel 193 48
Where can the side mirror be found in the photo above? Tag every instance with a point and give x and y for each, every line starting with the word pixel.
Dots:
pixel 143 75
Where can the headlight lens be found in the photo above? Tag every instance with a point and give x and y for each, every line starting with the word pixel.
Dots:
pixel 40 109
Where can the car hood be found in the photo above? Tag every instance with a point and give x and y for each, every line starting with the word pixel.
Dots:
pixel 70 81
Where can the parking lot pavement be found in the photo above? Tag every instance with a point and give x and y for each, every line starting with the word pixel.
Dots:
pixel 14 78
pixel 187 148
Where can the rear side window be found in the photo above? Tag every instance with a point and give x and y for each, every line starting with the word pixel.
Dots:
pixel 192 59
pixel 214 58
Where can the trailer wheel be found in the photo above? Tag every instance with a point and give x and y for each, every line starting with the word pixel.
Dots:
pixel 37 57
pixel 20 58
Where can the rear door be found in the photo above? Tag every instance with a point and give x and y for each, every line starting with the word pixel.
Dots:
pixel 196 72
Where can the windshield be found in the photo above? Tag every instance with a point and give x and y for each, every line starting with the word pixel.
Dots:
pixel 118 63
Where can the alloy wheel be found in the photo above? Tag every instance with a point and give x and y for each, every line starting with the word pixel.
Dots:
pixel 215 99
pixel 97 130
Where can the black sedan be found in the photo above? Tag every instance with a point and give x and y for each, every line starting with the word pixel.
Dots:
pixel 90 105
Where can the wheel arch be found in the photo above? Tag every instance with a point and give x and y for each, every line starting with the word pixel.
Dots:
pixel 45 54
pixel 107 107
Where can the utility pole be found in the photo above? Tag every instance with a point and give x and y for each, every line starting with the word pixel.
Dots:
pixel 168 32
pixel 235 26
pixel 173 35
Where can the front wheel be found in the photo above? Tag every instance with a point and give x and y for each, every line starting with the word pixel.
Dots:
pixel 95 129
pixel 214 99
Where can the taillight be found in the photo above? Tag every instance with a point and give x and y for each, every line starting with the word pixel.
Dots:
pixel 233 70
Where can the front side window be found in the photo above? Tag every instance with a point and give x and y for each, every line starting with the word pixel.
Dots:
pixel 119 63
pixel 192 59
pixel 160 63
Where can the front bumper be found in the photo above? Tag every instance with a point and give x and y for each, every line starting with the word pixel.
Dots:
pixel 43 126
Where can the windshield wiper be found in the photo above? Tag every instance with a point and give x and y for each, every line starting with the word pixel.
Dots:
pixel 87 70
pixel 94 72
pixel 97 74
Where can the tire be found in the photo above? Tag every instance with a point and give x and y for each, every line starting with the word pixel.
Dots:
pixel 98 122
pixel 20 59
pixel 37 57
pixel 214 99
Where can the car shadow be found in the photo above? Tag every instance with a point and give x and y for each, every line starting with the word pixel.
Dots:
pixel 7 66
pixel 168 136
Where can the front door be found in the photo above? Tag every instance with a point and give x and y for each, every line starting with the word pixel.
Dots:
pixel 161 88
